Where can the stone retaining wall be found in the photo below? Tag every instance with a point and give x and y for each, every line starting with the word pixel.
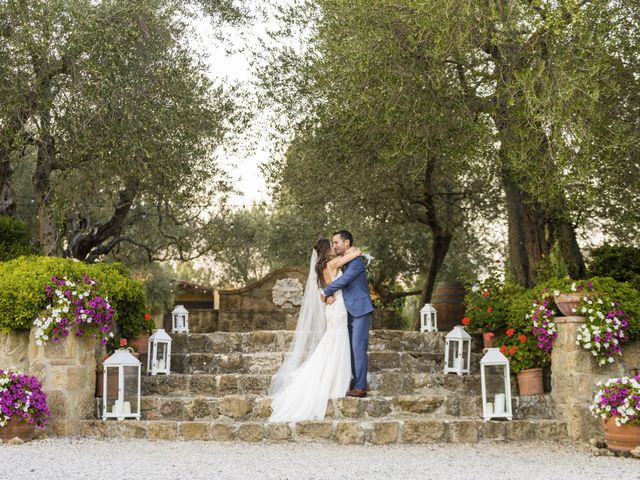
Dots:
pixel 575 374
pixel 269 304
pixel 66 371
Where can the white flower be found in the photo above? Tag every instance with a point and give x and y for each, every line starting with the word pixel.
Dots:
pixel 610 359
pixel 573 287
pixel 556 292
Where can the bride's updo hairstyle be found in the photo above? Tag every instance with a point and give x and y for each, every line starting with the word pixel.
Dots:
pixel 323 249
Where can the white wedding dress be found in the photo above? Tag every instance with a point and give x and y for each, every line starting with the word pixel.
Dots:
pixel 325 374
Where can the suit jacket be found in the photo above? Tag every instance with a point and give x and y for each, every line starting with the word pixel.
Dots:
pixel 355 289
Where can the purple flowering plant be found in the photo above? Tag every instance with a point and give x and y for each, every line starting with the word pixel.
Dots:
pixel 21 397
pixel 543 326
pixel 74 306
pixel 605 329
pixel 618 398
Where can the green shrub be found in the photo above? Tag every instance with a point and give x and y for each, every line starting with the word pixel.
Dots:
pixel 620 263
pixel 22 294
pixel 14 239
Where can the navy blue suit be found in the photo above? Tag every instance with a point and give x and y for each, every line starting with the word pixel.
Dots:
pixel 355 291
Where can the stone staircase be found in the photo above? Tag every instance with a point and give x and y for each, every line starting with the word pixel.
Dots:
pixel 219 392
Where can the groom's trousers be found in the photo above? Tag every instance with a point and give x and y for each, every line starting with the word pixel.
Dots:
pixel 359 341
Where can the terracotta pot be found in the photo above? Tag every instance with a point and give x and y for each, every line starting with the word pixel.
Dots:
pixel 566 302
pixel 623 438
pixel 487 339
pixel 530 382
pixel 17 428
pixel 140 343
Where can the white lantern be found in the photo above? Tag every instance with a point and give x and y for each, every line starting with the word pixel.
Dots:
pixel 496 385
pixel 121 387
pixel 428 318
pixel 180 319
pixel 457 351
pixel 159 356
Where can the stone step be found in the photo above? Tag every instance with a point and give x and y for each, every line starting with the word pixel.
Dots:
pixel 279 341
pixel 252 407
pixel 425 429
pixel 380 383
pixel 269 362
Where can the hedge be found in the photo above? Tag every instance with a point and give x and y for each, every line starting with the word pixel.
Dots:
pixel 22 290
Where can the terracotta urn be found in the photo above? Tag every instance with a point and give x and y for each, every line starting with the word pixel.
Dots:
pixel 17 428
pixel 566 302
pixel 621 438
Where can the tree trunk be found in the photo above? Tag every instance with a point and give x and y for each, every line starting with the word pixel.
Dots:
pixel 530 238
pixel 439 250
pixel 41 181
pixel 570 250
pixel 7 202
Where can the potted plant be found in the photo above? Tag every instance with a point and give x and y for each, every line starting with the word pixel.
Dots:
pixel 23 405
pixel 486 309
pixel 138 333
pixel 617 403
pixel 526 359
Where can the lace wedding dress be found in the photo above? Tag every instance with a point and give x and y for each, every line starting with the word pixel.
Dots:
pixel 302 393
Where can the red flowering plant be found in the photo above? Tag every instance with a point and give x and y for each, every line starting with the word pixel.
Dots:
pixel 522 350
pixel 486 307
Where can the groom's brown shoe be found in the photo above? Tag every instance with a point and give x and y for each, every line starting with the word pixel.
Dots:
pixel 357 392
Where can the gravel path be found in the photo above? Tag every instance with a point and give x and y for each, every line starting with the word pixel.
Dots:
pixel 67 458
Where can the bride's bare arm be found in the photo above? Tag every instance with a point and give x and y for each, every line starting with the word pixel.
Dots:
pixel 349 255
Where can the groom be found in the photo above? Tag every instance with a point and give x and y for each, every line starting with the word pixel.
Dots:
pixel 355 291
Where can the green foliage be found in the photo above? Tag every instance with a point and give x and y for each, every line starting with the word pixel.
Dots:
pixel 618 262
pixel 22 294
pixel 14 239
pixel 626 295
pixel 488 304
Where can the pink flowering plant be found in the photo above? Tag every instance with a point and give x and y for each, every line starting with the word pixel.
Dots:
pixel 21 397
pixel 74 306
pixel 618 398
pixel 605 329
pixel 541 316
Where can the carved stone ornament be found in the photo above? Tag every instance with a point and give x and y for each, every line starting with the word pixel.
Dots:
pixel 287 291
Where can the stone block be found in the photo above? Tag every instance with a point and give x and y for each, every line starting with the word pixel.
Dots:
pixel 171 384
pixel 195 430
pixel 392 383
pixel 521 430
pixel 78 378
pixel 201 407
pixel 277 432
pixel 227 384
pixel 57 402
pixel 551 430
pixel 255 384
pixel 162 430
pixel 263 407
pixel 260 339
pixel 351 407
pixel 133 429
pixel 423 431
pixel 377 407
pixel 462 431
pixel 203 385
pixel 14 348
pixel 223 432
pixel 384 433
pixel 494 430
pixel 419 403
pixel 235 406
pixel 251 432
pixel 349 433
pixel 313 430
pixel 171 408
pixel 379 361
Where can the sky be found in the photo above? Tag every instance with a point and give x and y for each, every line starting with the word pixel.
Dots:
pixel 244 168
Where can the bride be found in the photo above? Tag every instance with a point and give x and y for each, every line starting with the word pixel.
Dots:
pixel 318 364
